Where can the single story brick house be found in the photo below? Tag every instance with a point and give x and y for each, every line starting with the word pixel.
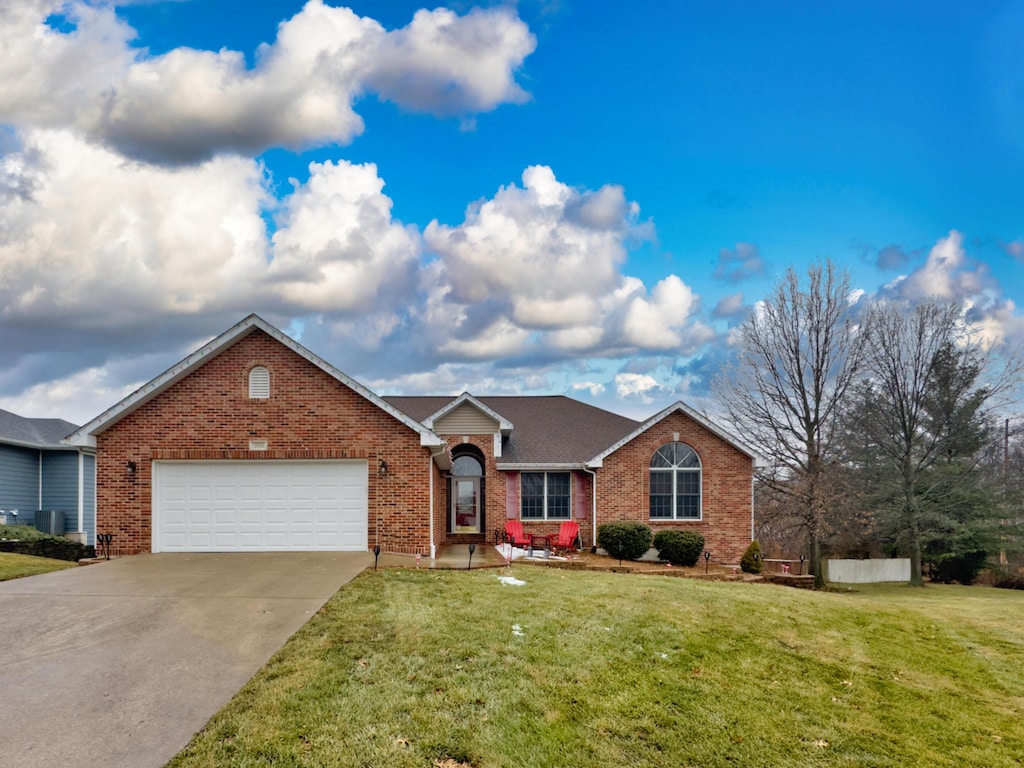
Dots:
pixel 40 476
pixel 254 443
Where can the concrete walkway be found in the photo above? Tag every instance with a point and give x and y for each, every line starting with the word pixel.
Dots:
pixel 449 557
pixel 120 663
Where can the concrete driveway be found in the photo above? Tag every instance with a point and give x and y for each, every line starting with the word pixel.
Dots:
pixel 120 663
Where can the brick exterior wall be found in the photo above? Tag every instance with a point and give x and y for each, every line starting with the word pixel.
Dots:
pixel 309 415
pixel 493 508
pixel 208 415
pixel 623 488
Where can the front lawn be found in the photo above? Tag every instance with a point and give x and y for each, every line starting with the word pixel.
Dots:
pixel 427 668
pixel 14 566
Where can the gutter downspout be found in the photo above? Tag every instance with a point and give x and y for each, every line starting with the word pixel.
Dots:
pixel 430 470
pixel 593 503
pixel 81 491
pixel 753 488
pixel 39 492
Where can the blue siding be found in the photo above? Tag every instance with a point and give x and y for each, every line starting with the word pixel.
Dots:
pixel 89 489
pixel 60 485
pixel 19 481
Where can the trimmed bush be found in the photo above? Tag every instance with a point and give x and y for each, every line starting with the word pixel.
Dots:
pixel 25 540
pixel 624 541
pixel 963 568
pixel 679 547
pixel 749 563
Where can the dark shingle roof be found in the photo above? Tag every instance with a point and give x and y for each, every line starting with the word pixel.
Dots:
pixel 34 433
pixel 545 430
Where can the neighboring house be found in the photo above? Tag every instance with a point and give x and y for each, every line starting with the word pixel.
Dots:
pixel 255 443
pixel 40 474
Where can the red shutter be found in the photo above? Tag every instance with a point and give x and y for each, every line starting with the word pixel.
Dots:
pixel 511 495
pixel 580 498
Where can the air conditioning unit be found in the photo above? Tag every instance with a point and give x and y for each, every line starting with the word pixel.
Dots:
pixel 50 521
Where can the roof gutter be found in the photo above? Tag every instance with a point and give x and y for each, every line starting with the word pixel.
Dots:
pixel 539 466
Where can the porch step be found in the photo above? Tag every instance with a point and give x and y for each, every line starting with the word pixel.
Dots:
pixel 465 538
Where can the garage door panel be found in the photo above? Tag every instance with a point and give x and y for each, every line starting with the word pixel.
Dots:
pixel 259 505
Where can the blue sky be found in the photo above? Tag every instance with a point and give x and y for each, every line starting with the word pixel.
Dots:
pixel 542 197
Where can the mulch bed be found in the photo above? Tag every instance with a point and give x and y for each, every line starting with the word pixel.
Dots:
pixel 587 561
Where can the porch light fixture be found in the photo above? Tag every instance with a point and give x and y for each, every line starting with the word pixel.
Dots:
pixel 132 466
pixel 383 467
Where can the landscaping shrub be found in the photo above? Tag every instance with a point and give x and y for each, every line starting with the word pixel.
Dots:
pixel 963 568
pixel 624 541
pixel 749 563
pixel 25 540
pixel 1010 582
pixel 679 547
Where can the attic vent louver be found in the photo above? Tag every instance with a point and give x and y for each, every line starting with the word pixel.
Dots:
pixel 259 383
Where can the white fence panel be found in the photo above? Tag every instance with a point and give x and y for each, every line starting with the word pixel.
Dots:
pixel 869 571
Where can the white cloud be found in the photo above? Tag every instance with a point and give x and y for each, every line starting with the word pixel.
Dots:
pixel 187 105
pixel 445 64
pixel 76 398
pixel 541 266
pixel 547 248
pixel 155 258
pixel 661 321
pixel 637 386
pixel 151 240
pixel 104 240
pixel 935 279
pixel 337 249
pixel 594 388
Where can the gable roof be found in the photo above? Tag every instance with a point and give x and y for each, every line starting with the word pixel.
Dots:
pixel 503 424
pixel 550 430
pixel 86 435
pixel 704 421
pixel 34 433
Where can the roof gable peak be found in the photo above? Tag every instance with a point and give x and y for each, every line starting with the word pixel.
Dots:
pixel 466 398
pixel 680 407
pixel 86 435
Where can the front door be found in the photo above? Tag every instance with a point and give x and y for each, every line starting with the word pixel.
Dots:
pixel 466 505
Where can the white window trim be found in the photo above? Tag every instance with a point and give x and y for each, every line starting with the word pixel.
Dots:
pixel 546 517
pixel 698 470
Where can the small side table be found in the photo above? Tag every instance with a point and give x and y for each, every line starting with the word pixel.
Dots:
pixel 540 541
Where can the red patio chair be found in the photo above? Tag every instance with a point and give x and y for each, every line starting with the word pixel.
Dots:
pixel 514 534
pixel 567 538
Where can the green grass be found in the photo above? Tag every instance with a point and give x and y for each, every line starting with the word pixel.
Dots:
pixel 14 566
pixel 412 668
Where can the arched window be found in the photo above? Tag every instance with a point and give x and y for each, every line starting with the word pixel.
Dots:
pixel 466 466
pixel 675 483
pixel 259 383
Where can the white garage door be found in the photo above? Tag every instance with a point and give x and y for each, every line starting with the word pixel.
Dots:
pixel 254 506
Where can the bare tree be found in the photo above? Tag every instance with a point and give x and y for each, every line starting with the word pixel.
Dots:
pixel 921 417
pixel 798 354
